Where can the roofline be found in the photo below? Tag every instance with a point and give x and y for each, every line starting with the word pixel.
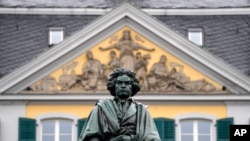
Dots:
pixel 144 97
pixel 102 11
pixel 17 80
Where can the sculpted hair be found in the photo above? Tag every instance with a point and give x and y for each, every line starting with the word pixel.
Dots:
pixel 118 72
pixel 123 35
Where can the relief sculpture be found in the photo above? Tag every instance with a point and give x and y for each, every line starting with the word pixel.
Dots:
pixel 141 63
pixel 92 70
pixel 161 76
pixel 126 46
pixel 47 84
pixel 158 74
pixel 66 81
pixel 114 62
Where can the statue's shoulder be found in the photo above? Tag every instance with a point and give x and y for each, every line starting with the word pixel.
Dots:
pixel 104 102
pixel 141 104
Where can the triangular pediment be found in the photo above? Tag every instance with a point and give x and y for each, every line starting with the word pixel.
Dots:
pixel 66 67
pixel 157 69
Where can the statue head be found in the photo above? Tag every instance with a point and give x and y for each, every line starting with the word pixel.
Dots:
pixel 138 55
pixel 126 35
pixel 163 59
pixel 89 55
pixel 146 57
pixel 112 54
pixel 123 82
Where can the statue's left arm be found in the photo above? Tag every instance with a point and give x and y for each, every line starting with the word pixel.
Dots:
pixel 146 129
pixel 138 46
pixel 91 130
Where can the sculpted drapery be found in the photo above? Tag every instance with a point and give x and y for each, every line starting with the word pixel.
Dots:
pixel 106 125
pixel 121 118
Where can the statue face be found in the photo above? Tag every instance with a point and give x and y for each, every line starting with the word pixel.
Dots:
pixel 126 35
pixel 112 54
pixel 138 55
pixel 163 59
pixel 89 55
pixel 123 87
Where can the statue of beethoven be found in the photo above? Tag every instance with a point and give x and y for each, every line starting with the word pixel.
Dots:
pixel 120 118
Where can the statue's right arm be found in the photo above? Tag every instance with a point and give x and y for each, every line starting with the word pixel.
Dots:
pixel 92 130
pixel 108 48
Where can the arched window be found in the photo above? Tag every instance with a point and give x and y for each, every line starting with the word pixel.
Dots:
pixel 57 130
pixel 195 127
pixel 57 127
pixel 195 130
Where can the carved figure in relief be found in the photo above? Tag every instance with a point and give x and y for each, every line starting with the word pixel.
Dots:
pixel 37 86
pixel 141 63
pixel 102 80
pixel 114 62
pixel 201 86
pixel 126 46
pixel 208 88
pixel 175 81
pixel 48 83
pixel 180 80
pixel 158 74
pixel 66 81
pixel 160 69
pixel 92 70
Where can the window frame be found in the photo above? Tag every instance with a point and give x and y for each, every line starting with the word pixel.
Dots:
pixel 56 132
pixel 195 132
pixel 196 30
pixel 50 30
pixel 56 116
pixel 195 116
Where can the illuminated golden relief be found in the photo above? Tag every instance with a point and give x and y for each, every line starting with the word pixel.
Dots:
pixel 158 70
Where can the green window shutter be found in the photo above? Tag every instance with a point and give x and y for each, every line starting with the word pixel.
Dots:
pixel 170 129
pixel 166 128
pixel 223 129
pixel 80 124
pixel 159 123
pixel 27 129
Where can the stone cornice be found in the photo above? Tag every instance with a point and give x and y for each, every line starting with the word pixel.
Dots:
pixel 140 97
pixel 101 11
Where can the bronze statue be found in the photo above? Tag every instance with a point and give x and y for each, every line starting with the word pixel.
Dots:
pixel 121 118
pixel 126 46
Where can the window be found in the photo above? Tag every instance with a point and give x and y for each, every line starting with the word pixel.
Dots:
pixel 196 130
pixel 196 36
pixel 57 130
pixel 56 35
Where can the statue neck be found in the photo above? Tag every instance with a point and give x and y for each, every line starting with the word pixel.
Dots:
pixel 122 101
